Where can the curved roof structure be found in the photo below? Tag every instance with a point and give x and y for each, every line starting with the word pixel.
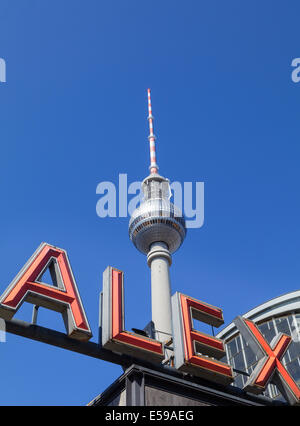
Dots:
pixel 279 306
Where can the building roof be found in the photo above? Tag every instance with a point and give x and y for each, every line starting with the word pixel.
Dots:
pixel 278 306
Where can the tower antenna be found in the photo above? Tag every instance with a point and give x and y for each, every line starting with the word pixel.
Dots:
pixel 153 166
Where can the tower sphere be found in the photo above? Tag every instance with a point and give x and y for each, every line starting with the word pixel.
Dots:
pixel 157 219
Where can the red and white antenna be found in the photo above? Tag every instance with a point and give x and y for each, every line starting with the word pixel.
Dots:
pixel 153 166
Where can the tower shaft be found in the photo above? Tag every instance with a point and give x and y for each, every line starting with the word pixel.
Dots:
pixel 159 261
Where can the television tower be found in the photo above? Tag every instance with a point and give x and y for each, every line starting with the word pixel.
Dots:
pixel 157 229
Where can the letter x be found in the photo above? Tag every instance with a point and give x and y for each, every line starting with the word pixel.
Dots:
pixel 269 368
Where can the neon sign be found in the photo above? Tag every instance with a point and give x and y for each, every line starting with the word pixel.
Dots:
pixel 63 297
pixel 269 368
pixel 194 352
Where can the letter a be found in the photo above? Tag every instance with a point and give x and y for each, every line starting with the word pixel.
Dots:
pixel 62 296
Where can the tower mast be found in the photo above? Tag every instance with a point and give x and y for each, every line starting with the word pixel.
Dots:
pixel 153 166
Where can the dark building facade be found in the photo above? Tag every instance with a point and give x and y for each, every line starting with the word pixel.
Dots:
pixel 142 386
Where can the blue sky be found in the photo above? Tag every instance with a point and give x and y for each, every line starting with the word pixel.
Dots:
pixel 73 114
